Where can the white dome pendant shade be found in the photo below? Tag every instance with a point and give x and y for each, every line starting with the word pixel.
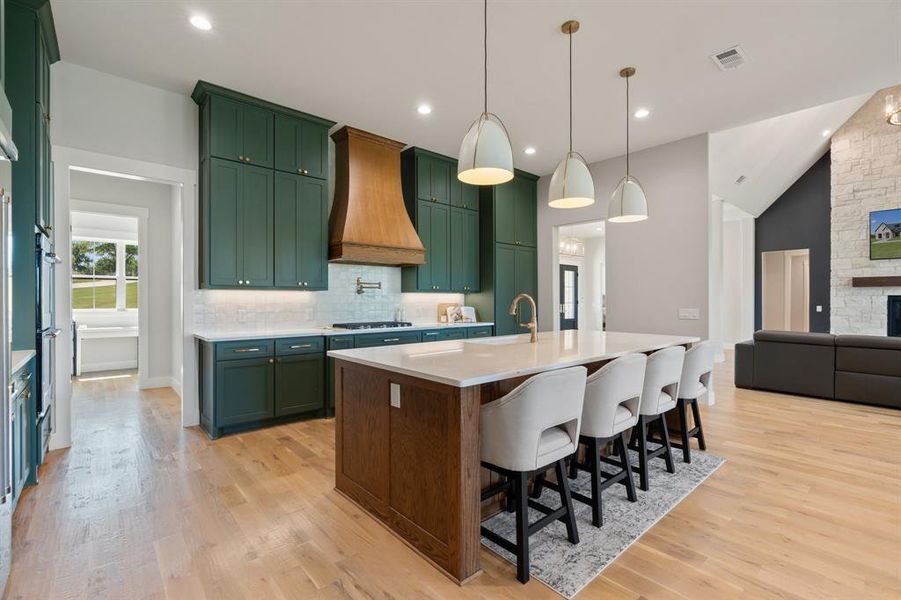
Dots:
pixel 571 185
pixel 486 156
pixel 628 203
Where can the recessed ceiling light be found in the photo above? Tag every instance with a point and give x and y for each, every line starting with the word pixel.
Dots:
pixel 641 113
pixel 826 133
pixel 424 109
pixel 530 150
pixel 201 23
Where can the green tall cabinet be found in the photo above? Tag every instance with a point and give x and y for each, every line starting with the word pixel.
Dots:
pixel 30 47
pixel 507 258
pixel 263 193
pixel 444 211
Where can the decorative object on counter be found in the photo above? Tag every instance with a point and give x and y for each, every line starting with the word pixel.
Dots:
pixel 628 203
pixel 362 286
pixel 400 315
pixel 486 157
pixel 892 110
pixel 461 314
pixel 444 309
pixel 532 325
pixel 571 185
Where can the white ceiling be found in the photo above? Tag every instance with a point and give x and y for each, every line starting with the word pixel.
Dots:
pixel 370 63
pixel 773 153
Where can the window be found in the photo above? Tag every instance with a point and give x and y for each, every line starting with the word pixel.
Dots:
pixel 104 275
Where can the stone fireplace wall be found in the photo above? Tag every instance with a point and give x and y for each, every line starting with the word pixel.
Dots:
pixel 866 176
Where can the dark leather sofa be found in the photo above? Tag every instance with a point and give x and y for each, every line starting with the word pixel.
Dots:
pixel 856 368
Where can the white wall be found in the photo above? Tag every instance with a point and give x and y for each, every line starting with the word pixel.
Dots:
pixel 109 123
pixel 155 261
pixel 653 267
pixel 593 284
pixel 110 115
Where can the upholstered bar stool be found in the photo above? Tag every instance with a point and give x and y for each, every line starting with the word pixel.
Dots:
pixel 658 395
pixel 612 396
pixel 696 371
pixel 528 431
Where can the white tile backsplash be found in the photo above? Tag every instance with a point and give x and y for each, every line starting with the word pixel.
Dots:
pixel 341 303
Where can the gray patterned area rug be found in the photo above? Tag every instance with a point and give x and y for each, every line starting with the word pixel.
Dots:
pixel 567 568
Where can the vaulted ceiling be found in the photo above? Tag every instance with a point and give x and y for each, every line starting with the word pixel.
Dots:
pixel 370 63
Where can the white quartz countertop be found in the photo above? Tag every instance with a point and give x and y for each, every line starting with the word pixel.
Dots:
pixel 260 333
pixel 462 363
pixel 20 358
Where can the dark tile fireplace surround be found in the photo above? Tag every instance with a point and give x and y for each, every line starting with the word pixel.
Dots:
pixel 894 316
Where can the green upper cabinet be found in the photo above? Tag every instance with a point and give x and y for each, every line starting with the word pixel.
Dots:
pixel 301 146
pixel 263 191
pixel 464 232
pixel 444 212
pixel 301 235
pixel 239 217
pixel 240 131
pixel 516 212
pixel 433 178
pixel 463 195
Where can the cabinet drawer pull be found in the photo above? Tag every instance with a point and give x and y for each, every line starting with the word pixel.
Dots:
pixel 296 346
pixel 391 340
pixel 430 333
pixel 247 350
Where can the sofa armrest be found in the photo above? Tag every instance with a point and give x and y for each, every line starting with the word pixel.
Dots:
pixel 744 364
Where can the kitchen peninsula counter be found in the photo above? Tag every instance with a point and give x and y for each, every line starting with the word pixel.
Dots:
pixel 407 427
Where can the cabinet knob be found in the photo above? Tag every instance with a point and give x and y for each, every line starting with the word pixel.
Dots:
pixel 241 157
pixel 305 172
pixel 240 282
pixel 246 159
pixel 271 360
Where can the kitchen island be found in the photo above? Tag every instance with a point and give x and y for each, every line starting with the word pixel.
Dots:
pixel 407 427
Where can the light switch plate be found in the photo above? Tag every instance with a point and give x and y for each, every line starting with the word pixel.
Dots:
pixel 395 395
pixel 689 314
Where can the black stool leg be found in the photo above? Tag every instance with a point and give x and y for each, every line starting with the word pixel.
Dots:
pixel 511 501
pixel 683 421
pixel 642 438
pixel 696 413
pixel 538 486
pixel 594 462
pixel 624 456
pixel 521 483
pixel 571 531
pixel 573 469
pixel 668 454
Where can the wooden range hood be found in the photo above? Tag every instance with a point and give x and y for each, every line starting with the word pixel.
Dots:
pixel 369 224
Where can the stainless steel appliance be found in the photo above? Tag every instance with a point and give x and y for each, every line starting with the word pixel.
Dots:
pixel 5 367
pixel 372 325
pixel 47 331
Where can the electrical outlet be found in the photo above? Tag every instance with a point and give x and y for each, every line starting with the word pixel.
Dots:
pixel 395 395
pixel 819 308
pixel 689 314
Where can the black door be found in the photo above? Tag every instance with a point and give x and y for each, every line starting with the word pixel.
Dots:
pixel 569 297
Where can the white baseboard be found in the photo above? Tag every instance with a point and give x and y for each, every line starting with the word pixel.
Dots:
pixel 115 365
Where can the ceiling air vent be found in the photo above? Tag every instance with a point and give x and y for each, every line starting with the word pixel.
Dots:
pixel 730 59
pixel 740 180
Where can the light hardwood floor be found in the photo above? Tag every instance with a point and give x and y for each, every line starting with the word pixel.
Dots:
pixel 807 506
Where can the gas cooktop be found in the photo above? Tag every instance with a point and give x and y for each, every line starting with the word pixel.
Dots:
pixel 372 325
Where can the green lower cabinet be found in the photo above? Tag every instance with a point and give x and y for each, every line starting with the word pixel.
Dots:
pixel 299 384
pixel 479 332
pixel 244 391
pixel 444 334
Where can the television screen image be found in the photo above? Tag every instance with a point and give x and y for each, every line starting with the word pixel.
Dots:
pixel 885 234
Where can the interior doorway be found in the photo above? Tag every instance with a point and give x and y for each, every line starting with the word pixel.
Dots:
pixel 786 290
pixel 569 297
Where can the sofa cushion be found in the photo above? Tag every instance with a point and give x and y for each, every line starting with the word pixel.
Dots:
pixel 793 368
pixel 875 361
pixel 744 364
pixel 868 389
pixel 869 341
pixel 795 337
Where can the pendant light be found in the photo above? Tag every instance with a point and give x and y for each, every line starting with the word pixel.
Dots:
pixel 628 203
pixel 486 157
pixel 571 185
